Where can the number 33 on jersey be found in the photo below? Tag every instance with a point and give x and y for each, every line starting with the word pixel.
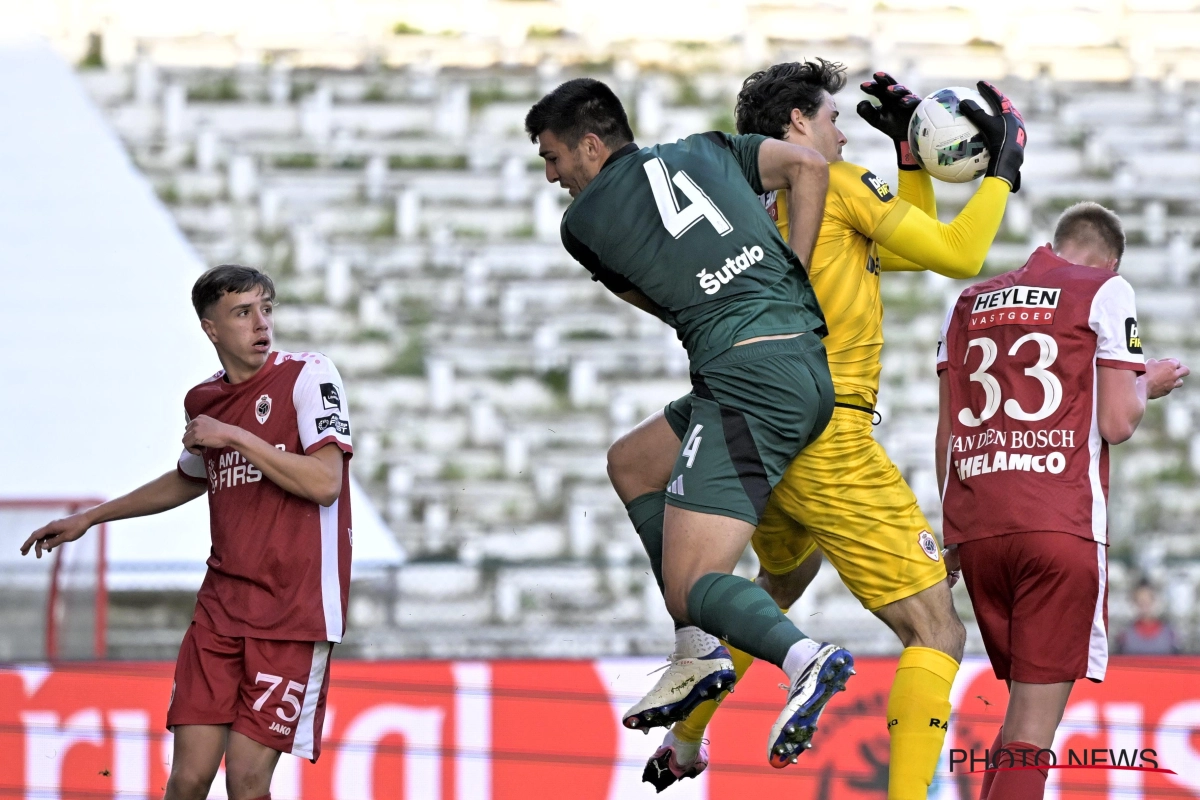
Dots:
pixel 1021 352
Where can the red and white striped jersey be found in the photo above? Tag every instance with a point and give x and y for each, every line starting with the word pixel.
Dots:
pixel 1021 350
pixel 280 564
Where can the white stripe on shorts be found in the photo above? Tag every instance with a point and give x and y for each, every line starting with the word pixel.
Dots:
pixel 1098 644
pixel 305 740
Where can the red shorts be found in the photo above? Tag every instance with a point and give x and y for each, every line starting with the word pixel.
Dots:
pixel 270 691
pixel 1041 601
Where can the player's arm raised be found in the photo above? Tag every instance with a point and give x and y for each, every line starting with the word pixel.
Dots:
pixel 165 492
pixel 920 241
pixel 316 477
pixel 804 173
pixel 1121 395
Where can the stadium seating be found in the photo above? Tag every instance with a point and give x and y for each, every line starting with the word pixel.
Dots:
pixel 414 241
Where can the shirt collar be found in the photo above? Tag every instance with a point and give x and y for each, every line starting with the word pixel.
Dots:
pixel 619 154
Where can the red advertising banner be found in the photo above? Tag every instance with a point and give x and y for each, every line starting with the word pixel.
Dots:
pixel 505 730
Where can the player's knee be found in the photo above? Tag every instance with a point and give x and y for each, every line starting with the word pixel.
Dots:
pixel 955 640
pixel 787 588
pixel 243 783
pixel 942 630
pixel 622 469
pixel 188 783
pixel 782 589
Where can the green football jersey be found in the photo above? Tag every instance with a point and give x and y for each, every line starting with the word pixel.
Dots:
pixel 683 224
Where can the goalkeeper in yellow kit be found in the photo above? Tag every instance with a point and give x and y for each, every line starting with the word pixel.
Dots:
pixel 842 495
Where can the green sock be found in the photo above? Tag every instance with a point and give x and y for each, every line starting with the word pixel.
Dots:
pixel 646 513
pixel 743 614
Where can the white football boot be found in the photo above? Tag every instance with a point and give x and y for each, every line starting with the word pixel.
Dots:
pixel 700 670
pixel 817 683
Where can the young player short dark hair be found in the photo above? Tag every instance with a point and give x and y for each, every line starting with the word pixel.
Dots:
pixel 577 108
pixel 234 278
pixel 765 103
pixel 1092 224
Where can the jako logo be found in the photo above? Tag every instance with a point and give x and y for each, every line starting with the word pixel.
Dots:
pixel 711 284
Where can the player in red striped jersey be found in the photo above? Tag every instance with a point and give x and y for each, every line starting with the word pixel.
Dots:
pixel 267 439
pixel 1041 369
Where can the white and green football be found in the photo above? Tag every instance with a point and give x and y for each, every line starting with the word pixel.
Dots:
pixel 945 143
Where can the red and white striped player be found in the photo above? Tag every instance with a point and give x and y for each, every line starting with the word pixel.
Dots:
pixel 1041 369
pixel 267 439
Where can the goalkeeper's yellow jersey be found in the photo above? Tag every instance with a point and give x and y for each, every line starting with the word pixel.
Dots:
pixel 868 229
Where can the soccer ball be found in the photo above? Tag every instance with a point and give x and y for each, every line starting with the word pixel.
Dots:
pixel 945 143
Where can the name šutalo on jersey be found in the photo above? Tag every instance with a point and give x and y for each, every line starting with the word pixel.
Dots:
pixel 712 282
pixel 1016 305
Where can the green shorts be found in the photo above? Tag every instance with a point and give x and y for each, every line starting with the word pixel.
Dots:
pixel 751 410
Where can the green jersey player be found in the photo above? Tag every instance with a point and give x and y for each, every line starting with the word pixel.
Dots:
pixel 678 231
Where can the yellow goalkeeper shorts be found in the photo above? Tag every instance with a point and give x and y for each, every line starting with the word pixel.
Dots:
pixel 843 494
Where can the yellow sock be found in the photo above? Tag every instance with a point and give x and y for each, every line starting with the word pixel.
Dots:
pixel 692 729
pixel 918 712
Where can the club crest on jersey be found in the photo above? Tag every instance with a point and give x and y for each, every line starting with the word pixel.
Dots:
pixel 1015 305
pixel 929 545
pixel 262 409
pixel 877 185
pixel 1133 339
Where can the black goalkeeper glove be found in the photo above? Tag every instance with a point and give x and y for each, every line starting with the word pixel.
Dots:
pixel 1003 134
pixel 892 115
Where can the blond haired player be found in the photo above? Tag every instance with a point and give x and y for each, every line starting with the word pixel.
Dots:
pixel 1040 370
pixel 843 495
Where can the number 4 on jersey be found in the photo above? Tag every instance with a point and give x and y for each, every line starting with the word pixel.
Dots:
pixel 676 221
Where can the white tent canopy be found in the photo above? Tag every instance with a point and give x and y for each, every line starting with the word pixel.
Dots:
pixel 97 334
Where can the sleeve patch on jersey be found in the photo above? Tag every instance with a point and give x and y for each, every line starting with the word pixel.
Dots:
pixel 330 397
pixel 339 425
pixel 877 185
pixel 1133 341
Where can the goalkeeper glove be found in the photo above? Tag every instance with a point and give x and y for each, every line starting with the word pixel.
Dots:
pixel 1003 134
pixel 892 115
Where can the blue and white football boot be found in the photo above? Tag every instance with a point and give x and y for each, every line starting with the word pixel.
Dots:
pixel 700 670
pixel 817 683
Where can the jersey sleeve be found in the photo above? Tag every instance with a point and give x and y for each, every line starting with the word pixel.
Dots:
pixel 744 148
pixel 322 415
pixel 864 201
pixel 190 465
pixel 958 249
pixel 1114 319
pixel 612 280
pixel 943 346
pixel 917 188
